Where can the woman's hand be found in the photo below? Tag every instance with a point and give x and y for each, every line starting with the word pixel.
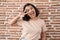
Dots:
pixel 22 14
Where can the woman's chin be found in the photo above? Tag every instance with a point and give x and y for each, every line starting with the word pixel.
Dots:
pixel 33 17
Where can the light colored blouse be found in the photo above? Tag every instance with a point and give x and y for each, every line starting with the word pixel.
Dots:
pixel 32 29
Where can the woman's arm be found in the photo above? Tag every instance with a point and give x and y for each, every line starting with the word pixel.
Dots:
pixel 13 21
pixel 43 32
pixel 43 35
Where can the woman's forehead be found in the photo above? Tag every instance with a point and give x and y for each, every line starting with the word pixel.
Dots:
pixel 29 7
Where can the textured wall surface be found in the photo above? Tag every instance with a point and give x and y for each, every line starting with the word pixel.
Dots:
pixel 49 11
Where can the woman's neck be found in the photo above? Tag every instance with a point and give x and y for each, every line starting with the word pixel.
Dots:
pixel 34 18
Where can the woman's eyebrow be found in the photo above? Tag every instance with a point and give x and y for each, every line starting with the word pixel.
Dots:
pixel 27 10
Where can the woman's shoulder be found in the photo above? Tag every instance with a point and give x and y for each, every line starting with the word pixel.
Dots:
pixel 41 20
pixel 20 22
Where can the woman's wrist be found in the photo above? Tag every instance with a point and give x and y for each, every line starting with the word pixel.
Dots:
pixel 20 16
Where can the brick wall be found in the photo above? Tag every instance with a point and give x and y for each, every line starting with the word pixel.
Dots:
pixel 49 11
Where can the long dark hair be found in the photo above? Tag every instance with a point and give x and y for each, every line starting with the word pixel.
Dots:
pixel 27 17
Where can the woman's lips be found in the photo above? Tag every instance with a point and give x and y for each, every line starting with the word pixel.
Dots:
pixel 31 13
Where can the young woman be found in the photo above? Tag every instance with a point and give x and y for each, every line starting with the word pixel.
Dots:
pixel 34 28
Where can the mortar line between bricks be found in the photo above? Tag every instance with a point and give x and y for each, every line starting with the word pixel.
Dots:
pixel 27 2
pixel 23 2
pixel 30 2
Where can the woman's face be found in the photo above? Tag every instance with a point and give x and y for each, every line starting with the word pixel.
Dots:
pixel 30 11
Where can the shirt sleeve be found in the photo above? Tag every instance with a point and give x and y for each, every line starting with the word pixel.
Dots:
pixel 44 28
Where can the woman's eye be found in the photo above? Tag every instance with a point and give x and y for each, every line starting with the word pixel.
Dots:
pixel 27 10
pixel 31 8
